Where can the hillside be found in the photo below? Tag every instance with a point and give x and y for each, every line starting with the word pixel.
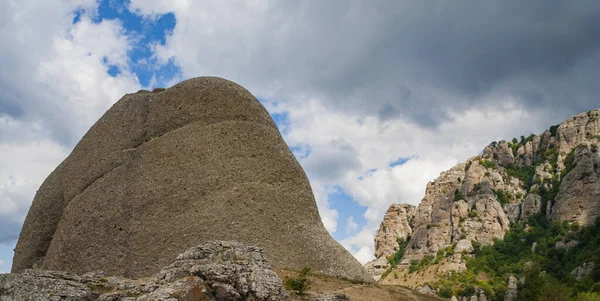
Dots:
pixel 522 206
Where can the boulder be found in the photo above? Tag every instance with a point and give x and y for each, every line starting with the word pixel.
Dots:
pixel 161 172
pixel 216 270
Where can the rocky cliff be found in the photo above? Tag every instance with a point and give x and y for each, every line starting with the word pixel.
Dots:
pixel 166 170
pixel 555 173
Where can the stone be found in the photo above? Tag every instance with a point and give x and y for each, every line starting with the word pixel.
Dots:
pixel 395 225
pixel 583 271
pixel 224 265
pixel 453 298
pixel 482 297
pixel 499 152
pixel 425 290
pixel 49 285
pixel 161 172
pixel 473 298
pixel 216 270
pixel 330 297
pixel 511 292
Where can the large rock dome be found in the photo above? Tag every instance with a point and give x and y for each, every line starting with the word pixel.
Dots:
pixel 162 172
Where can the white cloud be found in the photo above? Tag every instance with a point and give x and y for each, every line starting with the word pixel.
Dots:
pixel 370 145
pixel 351 225
pixel 1 262
pixel 23 167
pixel 54 86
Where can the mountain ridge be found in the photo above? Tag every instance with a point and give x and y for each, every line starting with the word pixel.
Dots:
pixel 475 203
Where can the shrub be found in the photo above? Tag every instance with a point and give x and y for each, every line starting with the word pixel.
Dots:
pixel 300 284
pixel 488 164
pixel 458 195
pixel 587 297
pixel 402 244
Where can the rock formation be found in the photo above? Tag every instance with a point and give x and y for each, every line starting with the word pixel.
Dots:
pixel 578 199
pixel 218 270
pixel 161 172
pixel 511 292
pixel 555 173
pixel 395 225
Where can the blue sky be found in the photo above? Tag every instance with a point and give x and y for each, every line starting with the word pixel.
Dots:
pixel 375 99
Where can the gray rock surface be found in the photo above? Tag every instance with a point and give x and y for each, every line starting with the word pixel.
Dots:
pixel 330 297
pixel 40 285
pixel 161 172
pixel 230 269
pixel 213 271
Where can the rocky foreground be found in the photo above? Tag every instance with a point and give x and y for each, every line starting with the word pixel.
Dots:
pixel 218 270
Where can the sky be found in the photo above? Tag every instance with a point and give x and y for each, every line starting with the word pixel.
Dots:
pixel 374 98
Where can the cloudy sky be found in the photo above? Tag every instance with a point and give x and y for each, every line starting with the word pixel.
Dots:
pixel 375 98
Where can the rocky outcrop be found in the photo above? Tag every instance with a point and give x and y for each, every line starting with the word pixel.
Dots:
pixel 555 173
pixel 578 199
pixel 511 292
pixel 395 225
pixel 499 152
pixel 161 172
pixel 48 285
pixel 214 271
pixel 583 271
pixel 377 267
pixel 426 290
pixel 532 204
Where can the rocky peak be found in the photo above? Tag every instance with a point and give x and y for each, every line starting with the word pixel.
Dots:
pixel 161 172
pixel 396 225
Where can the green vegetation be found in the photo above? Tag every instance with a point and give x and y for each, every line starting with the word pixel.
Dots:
pixel 524 173
pixel 488 164
pixel 515 144
pixel 458 195
pixel 511 256
pixel 553 130
pixel 300 284
pixel 416 265
pixel 402 244
pixel 502 196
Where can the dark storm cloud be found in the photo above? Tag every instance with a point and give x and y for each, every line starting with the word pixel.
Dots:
pixel 361 55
